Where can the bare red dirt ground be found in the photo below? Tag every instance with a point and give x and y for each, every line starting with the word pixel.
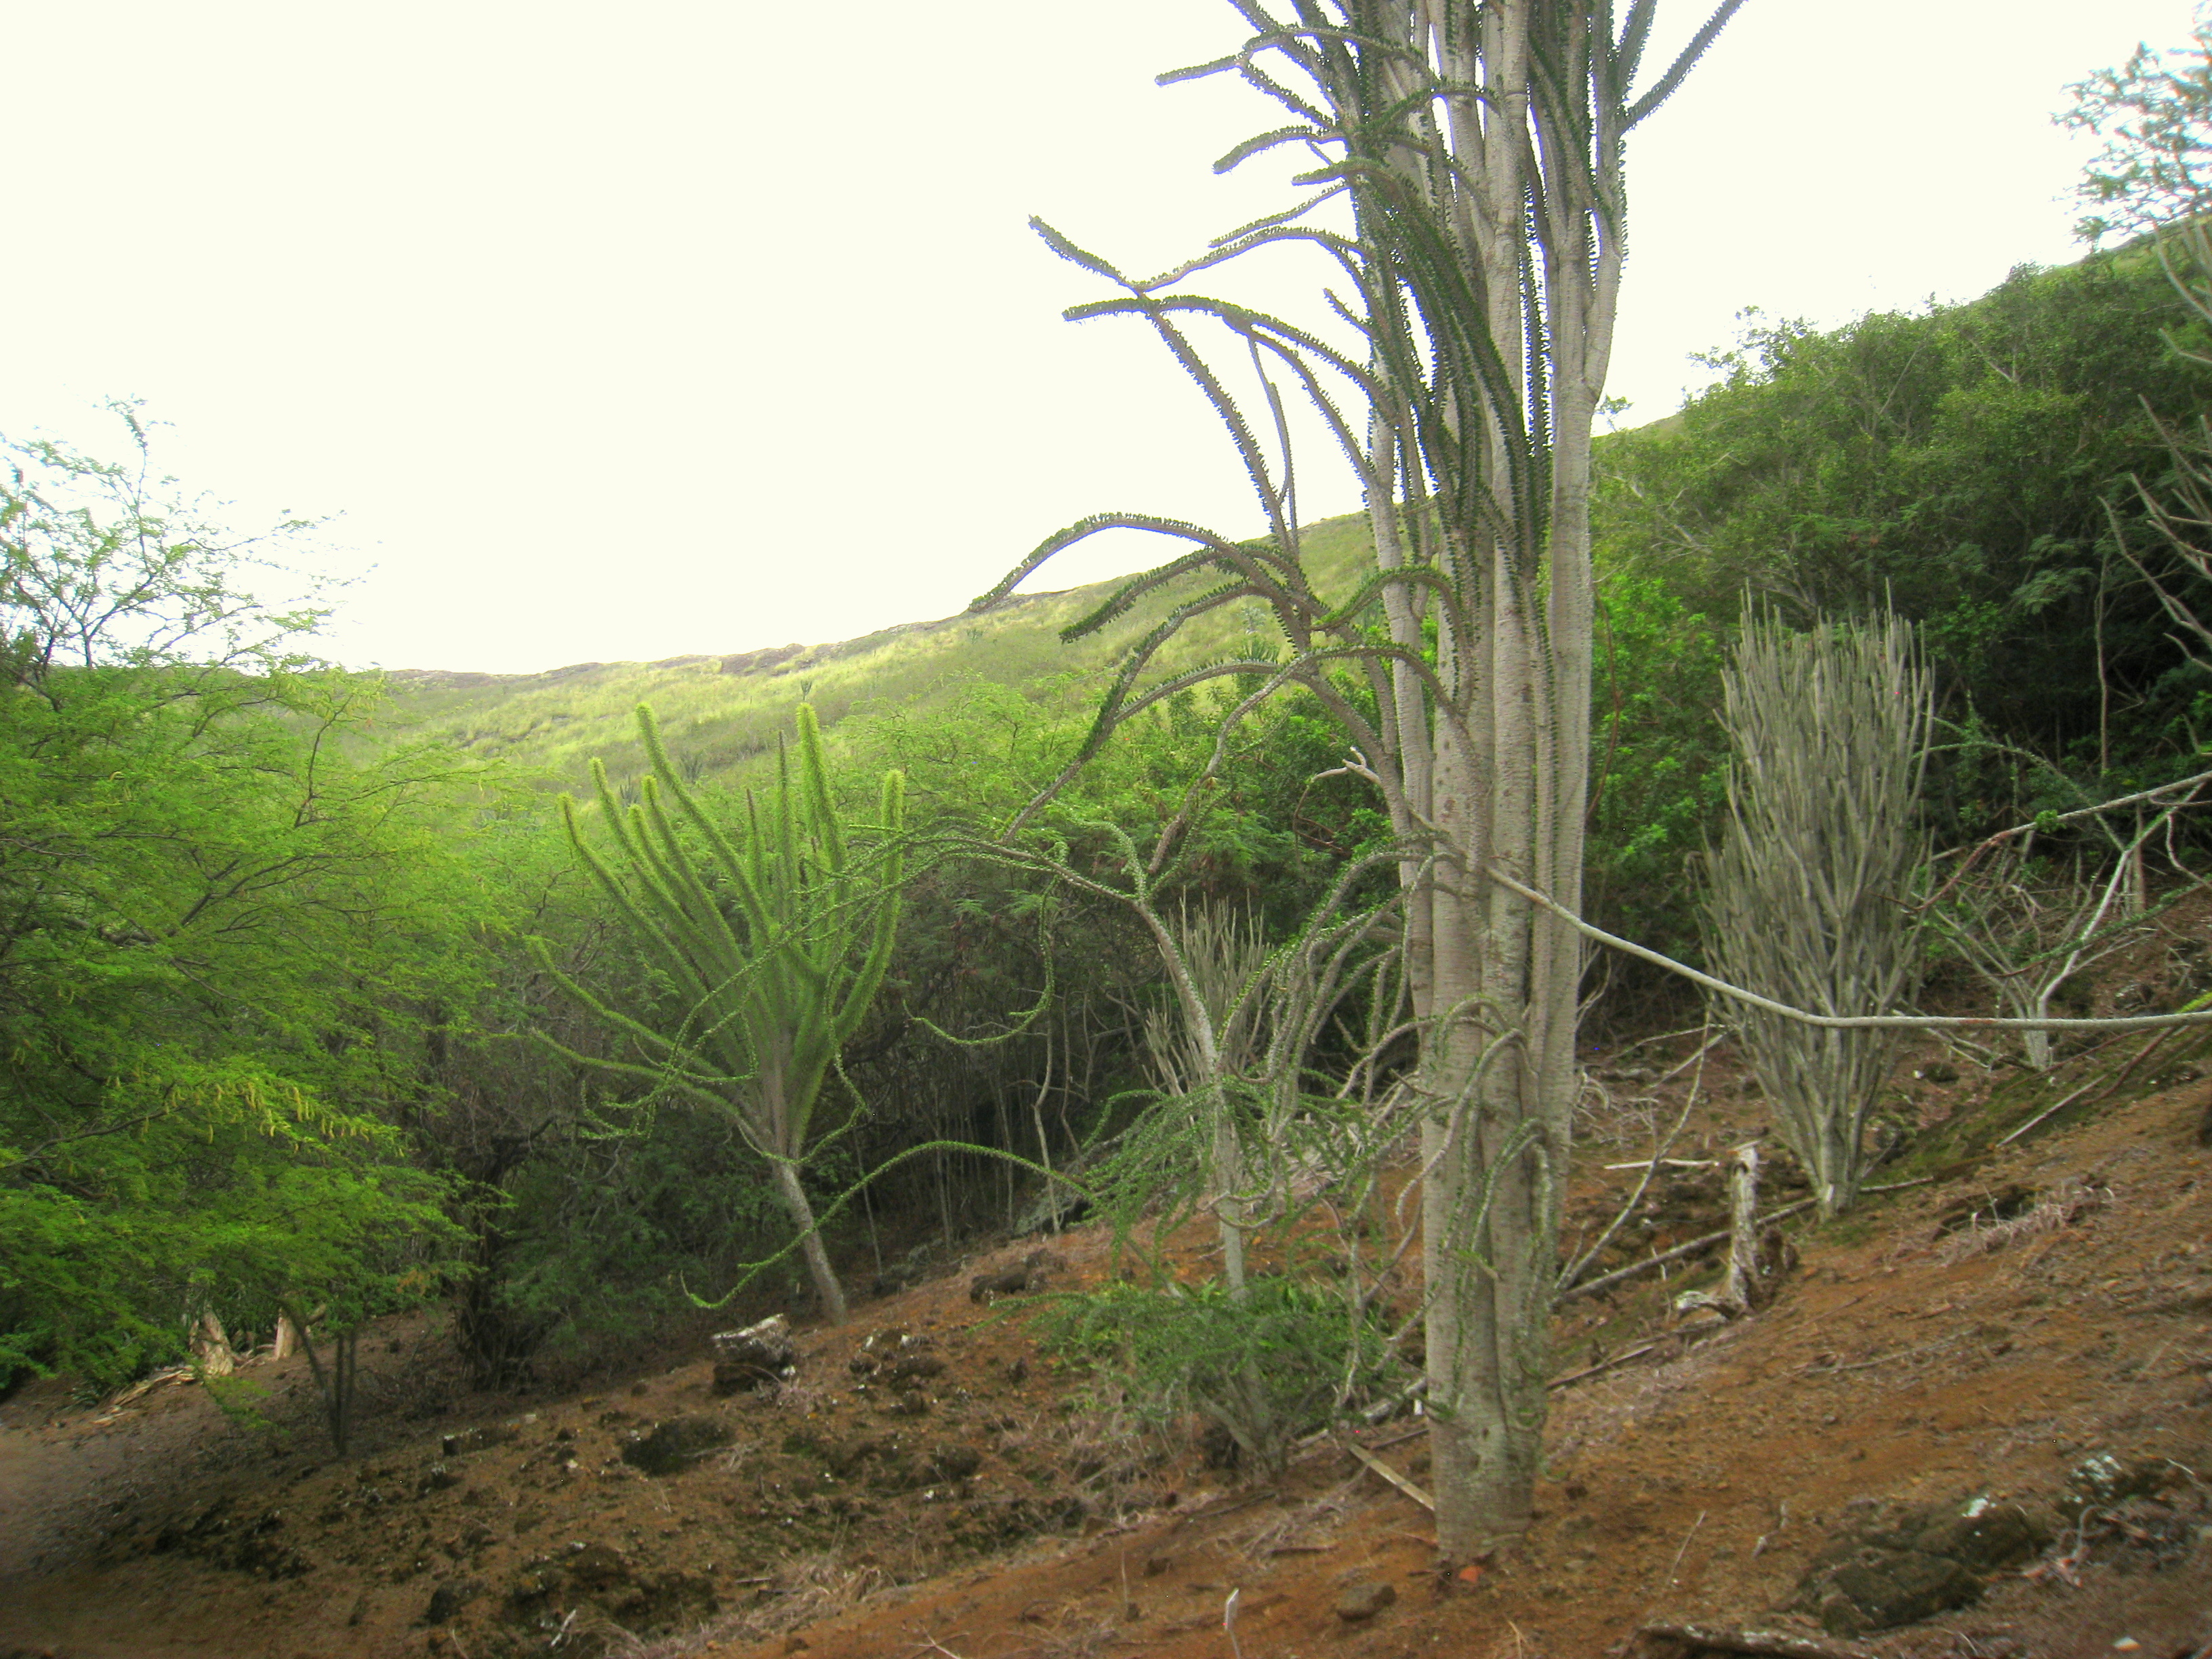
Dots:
pixel 1922 1355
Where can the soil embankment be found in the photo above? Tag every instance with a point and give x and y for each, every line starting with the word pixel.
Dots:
pixel 2033 1336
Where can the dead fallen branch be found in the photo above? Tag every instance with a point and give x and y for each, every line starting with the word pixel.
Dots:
pixel 1391 1474
pixel 144 1385
pixel 1604 1365
pixel 1881 1358
pixel 1581 1264
pixel 1756 1253
pixel 1417 1430
pixel 1663 1037
pixel 2110 1082
pixel 1591 1287
pixel 1672 1163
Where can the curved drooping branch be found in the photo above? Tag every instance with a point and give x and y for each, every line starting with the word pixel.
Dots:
pixel 1737 993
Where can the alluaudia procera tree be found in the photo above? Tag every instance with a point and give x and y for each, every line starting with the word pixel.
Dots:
pixel 1812 881
pixel 1468 202
pixel 773 934
pixel 1202 1044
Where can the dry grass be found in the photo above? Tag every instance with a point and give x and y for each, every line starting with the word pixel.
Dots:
pixel 1104 1451
pixel 1604 1118
pixel 1086 1639
pixel 808 1589
pixel 1307 1526
pixel 2059 1208
pixel 801 1399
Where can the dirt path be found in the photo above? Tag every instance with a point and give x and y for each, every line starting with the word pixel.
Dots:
pixel 68 1479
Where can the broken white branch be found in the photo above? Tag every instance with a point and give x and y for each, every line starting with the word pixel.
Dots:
pixel 1391 1474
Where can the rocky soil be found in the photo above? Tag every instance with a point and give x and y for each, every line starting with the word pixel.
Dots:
pixel 1976 1420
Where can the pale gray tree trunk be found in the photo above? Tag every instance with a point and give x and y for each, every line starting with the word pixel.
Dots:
pixel 829 1294
pixel 1492 770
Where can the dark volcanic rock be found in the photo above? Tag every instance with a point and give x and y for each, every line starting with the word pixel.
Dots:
pixel 844 1461
pixel 1363 1601
pixel 1886 1588
pixel 450 1597
pixel 1983 1536
pixel 436 1478
pixel 677 1445
pixel 599 1567
pixel 242 1543
pixel 1218 1447
pixel 1898 1567
pixel 2101 1480
pixel 954 1462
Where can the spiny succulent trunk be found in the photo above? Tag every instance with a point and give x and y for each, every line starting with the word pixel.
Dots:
pixel 1490 1140
pixel 1229 1173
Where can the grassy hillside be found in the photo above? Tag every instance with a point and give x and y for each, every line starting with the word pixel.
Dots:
pixel 719 711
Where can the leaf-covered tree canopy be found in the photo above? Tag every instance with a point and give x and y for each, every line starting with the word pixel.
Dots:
pixel 1956 464
pixel 218 913
pixel 2154 114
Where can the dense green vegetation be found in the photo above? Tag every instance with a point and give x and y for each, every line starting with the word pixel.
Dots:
pixel 771 935
pixel 223 932
pixel 1966 466
pixel 1978 468
pixel 273 1029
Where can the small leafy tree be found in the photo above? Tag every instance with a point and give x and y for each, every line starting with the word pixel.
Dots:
pixel 1200 1046
pixel 1264 1366
pixel 773 935
pixel 1811 883
pixel 220 923
pixel 2154 114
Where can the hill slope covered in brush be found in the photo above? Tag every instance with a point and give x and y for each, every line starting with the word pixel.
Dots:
pixel 719 711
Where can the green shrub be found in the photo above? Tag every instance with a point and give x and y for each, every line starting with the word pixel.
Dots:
pixel 1266 1368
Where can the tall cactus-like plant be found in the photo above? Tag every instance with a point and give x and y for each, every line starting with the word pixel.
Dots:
pixel 1200 1044
pixel 774 936
pixel 1811 879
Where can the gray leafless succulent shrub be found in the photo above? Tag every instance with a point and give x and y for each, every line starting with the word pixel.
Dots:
pixel 1810 886
pixel 2027 926
pixel 1198 1045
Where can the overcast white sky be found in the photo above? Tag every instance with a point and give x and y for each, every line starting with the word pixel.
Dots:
pixel 628 331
